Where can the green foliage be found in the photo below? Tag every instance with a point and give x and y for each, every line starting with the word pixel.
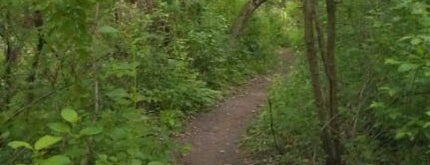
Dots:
pixel 57 160
pixel 69 115
pixel 109 82
pixel 18 144
pixel 294 122
pixel 395 100
pixel 47 141
pixel 383 68
pixel 59 127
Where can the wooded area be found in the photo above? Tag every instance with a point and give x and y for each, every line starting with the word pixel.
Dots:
pixel 115 82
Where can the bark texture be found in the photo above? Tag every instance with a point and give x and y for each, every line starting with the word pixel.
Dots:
pixel 247 10
pixel 336 153
pixel 326 102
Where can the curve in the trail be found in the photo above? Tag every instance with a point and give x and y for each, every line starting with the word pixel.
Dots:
pixel 214 136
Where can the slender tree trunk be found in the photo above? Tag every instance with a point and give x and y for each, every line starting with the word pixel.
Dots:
pixel 311 55
pixel 326 108
pixel 320 37
pixel 314 71
pixel 240 22
pixel 336 157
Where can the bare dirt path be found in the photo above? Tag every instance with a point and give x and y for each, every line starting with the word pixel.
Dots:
pixel 214 136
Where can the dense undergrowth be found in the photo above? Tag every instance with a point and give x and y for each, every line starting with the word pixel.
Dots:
pixel 384 73
pixel 108 82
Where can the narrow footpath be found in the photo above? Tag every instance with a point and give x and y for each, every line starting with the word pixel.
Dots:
pixel 214 136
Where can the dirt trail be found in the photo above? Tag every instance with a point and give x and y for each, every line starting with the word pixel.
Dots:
pixel 214 136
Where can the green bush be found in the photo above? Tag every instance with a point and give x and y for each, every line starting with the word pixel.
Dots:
pixel 133 72
pixel 292 115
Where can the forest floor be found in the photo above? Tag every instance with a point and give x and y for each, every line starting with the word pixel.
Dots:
pixel 214 136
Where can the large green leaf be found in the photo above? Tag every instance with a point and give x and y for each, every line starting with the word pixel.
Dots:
pixel 108 29
pixel 69 115
pixel 46 141
pixel 91 131
pixel 19 144
pixel 57 160
pixel 59 127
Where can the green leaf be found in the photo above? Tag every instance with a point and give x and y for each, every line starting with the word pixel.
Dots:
pixel 426 125
pixel 108 29
pixel 57 160
pixel 400 134
pixel 59 127
pixel 416 41
pixel 407 67
pixel 91 131
pixel 156 163
pixel 377 105
pixel 46 141
pixel 392 61
pixel 390 91
pixel 19 144
pixel 5 135
pixel 405 38
pixel 118 93
pixel 427 73
pixel 69 115
pixel 136 162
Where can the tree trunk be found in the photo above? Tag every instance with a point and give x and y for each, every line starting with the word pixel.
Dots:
pixel 246 13
pixel 329 135
pixel 320 37
pixel 336 157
